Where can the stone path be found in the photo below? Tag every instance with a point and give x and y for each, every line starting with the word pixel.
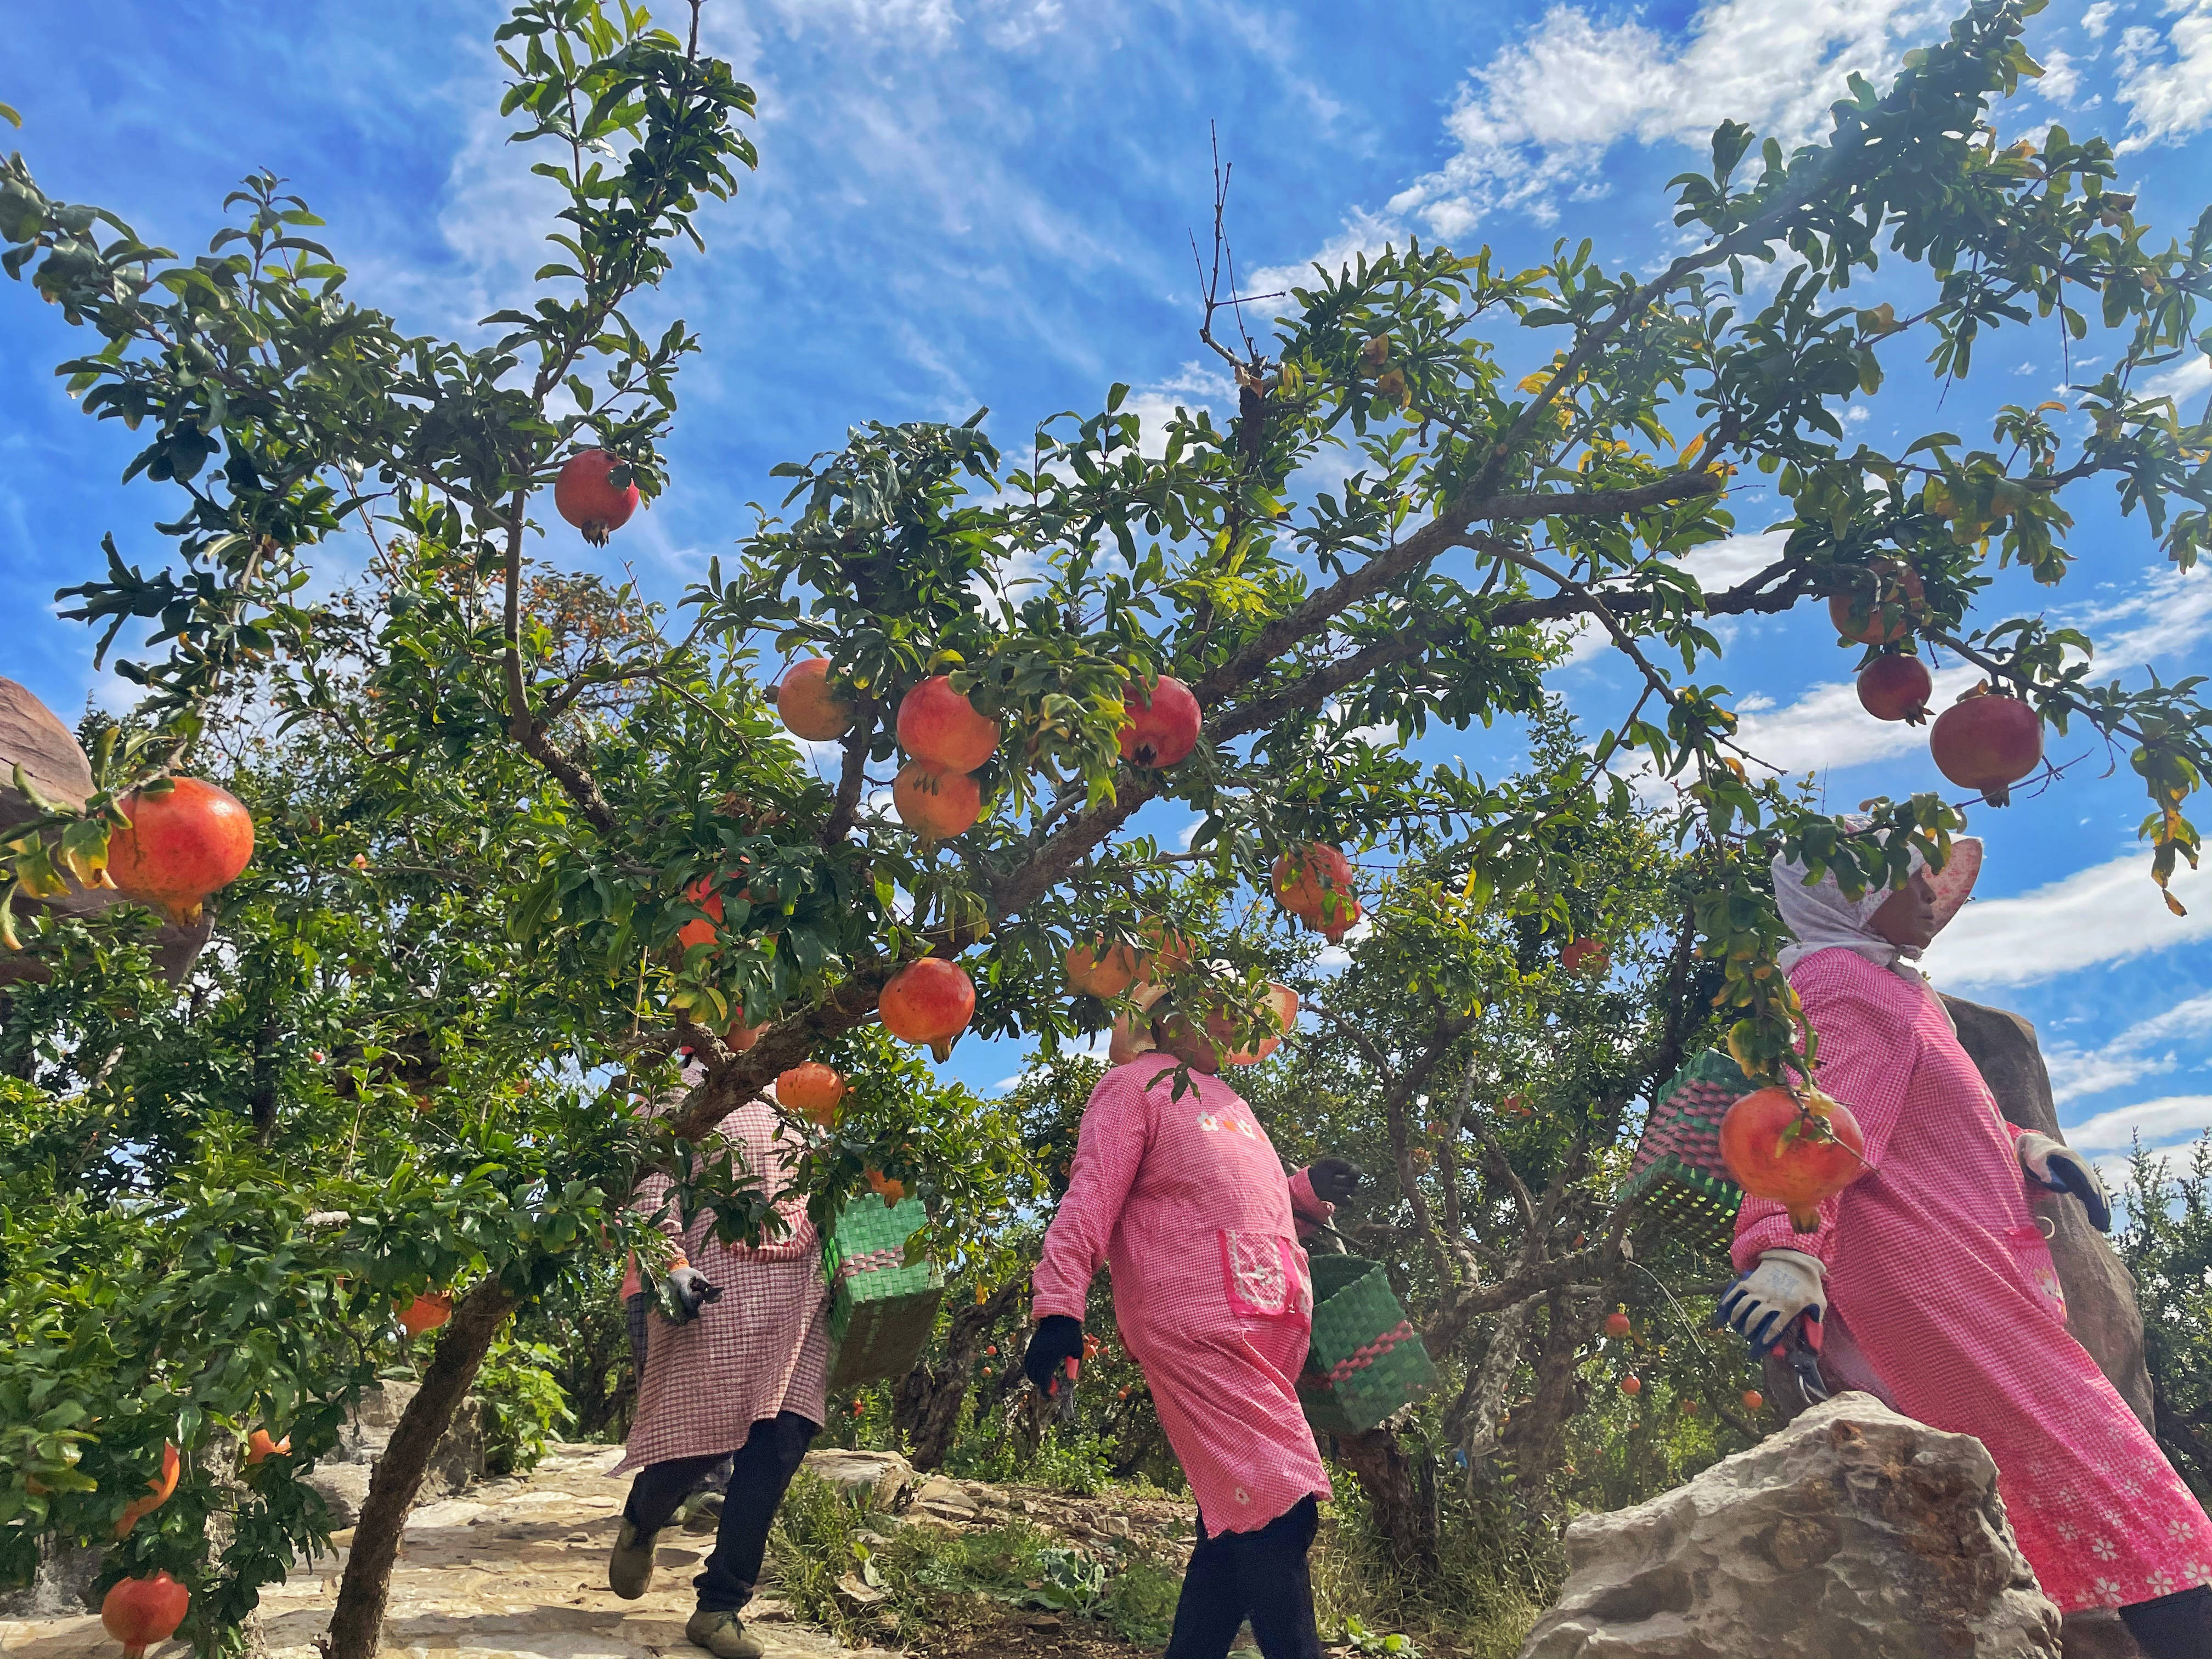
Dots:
pixel 513 1567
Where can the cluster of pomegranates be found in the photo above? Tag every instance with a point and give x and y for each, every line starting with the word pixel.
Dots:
pixel 1986 741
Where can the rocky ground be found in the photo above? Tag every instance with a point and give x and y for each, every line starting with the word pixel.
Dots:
pixel 518 1567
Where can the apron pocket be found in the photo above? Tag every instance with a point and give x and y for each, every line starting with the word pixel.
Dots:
pixel 1258 1276
pixel 2030 1253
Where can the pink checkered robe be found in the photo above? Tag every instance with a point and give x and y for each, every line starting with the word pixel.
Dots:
pixel 763 1348
pixel 1938 1269
pixel 1187 1200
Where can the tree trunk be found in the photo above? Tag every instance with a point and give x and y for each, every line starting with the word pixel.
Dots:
pixel 1400 1496
pixel 1537 1435
pixel 926 1408
pixel 357 1623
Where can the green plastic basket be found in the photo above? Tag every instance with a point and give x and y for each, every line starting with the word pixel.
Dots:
pixel 1679 1178
pixel 881 1310
pixel 1367 1361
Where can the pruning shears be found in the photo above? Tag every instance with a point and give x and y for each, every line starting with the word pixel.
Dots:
pixel 1800 1349
pixel 1063 1394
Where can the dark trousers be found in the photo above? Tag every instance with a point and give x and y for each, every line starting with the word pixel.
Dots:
pixel 760 1471
pixel 2177 1626
pixel 1261 1576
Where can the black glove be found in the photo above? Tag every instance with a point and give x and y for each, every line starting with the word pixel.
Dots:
pixel 1334 1179
pixel 2055 1165
pixel 684 1292
pixel 1056 1340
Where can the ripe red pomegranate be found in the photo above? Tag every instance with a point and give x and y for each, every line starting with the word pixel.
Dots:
pixel 157 1491
pixel 260 1447
pixel 1753 1401
pixel 1162 728
pixel 1579 955
pixel 1099 970
pixel 809 708
pixel 1170 951
pixel 1632 1385
pixel 1313 883
pixel 1987 741
pixel 812 1090
pixel 1280 1002
pixel 1617 1323
pixel 183 844
pixel 892 1192
pixel 739 1036
pixel 1896 688
pixel 708 895
pixel 141 1611
pixel 929 1002
pixel 940 726
pixel 1796 1150
pixel 587 496
pixel 426 1313
pixel 1342 915
pixel 935 803
pixel 1189 1041
pixel 1879 607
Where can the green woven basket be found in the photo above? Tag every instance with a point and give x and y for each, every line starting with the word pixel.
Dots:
pixel 1367 1361
pixel 1678 1178
pixel 881 1310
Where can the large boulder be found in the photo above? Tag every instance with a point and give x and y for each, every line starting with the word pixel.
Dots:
pixel 1852 1534
pixel 2101 1297
pixel 343 1477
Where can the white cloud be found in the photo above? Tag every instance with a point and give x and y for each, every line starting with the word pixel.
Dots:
pixel 2108 912
pixel 1542 111
pixel 2158 1121
pixel 2132 1055
pixel 2061 80
pixel 2095 20
pixel 2189 379
pixel 1722 564
pixel 2167 84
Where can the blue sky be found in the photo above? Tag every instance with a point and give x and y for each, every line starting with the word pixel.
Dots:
pixel 989 202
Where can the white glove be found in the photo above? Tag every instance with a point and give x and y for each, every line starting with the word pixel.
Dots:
pixel 1766 1301
pixel 2055 1165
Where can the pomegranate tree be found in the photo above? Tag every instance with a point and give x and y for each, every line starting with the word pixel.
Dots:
pixel 1163 723
pixel 140 1612
pixel 586 495
pixel 1795 1147
pixel 938 725
pixel 1987 741
pixel 934 803
pixel 1896 687
pixel 929 1003
pixel 183 843
pixel 808 706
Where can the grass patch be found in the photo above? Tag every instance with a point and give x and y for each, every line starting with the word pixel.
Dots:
pixel 858 1572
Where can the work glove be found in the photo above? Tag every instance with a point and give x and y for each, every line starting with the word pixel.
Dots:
pixel 1334 1180
pixel 2055 1165
pixel 1763 1303
pixel 684 1292
pixel 1057 1340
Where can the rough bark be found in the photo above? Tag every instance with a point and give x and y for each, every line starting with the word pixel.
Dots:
pixel 1400 1495
pixel 927 1408
pixel 2101 1297
pixel 1537 1435
pixel 357 1622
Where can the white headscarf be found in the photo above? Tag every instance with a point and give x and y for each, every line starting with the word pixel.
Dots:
pixel 1823 918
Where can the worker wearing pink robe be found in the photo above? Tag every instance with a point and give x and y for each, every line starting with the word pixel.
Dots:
pixel 1938 1273
pixel 1183 1195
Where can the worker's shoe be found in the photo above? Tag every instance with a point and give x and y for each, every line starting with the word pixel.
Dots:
pixel 724 1635
pixel 702 1511
pixel 629 1569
